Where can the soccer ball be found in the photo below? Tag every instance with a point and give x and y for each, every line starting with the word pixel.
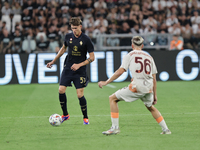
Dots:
pixel 55 120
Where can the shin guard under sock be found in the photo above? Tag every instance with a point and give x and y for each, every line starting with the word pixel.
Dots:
pixel 63 103
pixel 83 104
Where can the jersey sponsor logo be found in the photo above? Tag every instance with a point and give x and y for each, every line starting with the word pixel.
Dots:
pixel 75 48
pixel 75 51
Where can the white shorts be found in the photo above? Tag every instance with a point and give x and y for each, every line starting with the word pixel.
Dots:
pixel 128 96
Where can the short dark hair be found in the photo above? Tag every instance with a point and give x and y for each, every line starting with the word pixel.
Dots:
pixel 75 21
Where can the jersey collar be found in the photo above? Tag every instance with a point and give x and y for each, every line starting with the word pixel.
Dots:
pixel 77 37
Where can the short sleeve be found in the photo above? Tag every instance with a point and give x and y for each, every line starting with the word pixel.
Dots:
pixel 65 42
pixel 89 45
pixel 125 62
pixel 154 69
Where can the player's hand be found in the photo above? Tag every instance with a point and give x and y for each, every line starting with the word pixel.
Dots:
pixel 49 65
pixel 155 100
pixel 102 83
pixel 75 67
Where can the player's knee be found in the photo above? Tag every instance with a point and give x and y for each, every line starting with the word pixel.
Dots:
pixel 110 99
pixel 79 95
pixel 61 90
pixel 113 98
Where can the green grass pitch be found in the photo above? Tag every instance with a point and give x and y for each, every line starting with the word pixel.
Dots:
pixel 25 110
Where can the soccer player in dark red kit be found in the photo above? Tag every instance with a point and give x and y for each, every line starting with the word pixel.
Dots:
pixel 74 69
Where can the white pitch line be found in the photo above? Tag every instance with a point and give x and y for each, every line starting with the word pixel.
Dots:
pixel 186 113
pixel 111 86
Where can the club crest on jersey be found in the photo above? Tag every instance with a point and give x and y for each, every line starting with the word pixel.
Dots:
pixel 70 40
pixel 81 42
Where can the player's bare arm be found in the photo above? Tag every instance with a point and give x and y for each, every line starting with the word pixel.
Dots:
pixel 60 53
pixel 75 67
pixel 116 75
pixel 154 89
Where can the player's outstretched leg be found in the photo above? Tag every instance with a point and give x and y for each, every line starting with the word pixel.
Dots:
pixel 114 116
pixel 156 114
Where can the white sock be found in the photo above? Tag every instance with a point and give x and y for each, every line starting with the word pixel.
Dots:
pixel 163 125
pixel 115 123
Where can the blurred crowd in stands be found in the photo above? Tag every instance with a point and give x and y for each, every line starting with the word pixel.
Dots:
pixel 40 25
